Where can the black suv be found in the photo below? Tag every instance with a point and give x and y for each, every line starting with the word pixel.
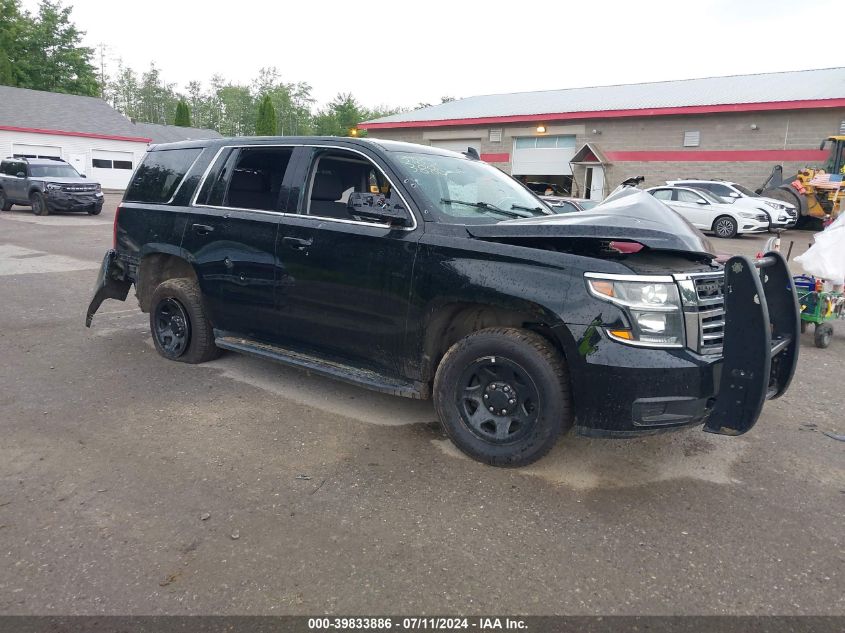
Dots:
pixel 47 185
pixel 426 273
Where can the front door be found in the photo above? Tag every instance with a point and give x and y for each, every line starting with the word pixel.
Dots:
pixel 231 238
pixel 344 282
pixel 595 183
pixel 693 207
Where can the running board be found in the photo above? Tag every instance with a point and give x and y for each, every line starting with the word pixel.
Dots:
pixel 322 366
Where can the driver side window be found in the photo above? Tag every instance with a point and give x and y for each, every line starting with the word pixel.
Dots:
pixel 335 176
pixel 688 196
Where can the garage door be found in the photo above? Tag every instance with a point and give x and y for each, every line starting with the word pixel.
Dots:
pixel 459 145
pixel 22 150
pixel 543 155
pixel 112 169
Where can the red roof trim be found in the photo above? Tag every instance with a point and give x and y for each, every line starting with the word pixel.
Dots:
pixel 606 114
pixel 496 158
pixel 707 156
pixel 108 137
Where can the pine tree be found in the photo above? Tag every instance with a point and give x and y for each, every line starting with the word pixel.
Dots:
pixel 183 115
pixel 266 123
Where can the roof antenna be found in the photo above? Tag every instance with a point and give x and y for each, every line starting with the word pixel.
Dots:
pixel 471 153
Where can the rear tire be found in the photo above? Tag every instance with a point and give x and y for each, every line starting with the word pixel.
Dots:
pixel 823 335
pixel 180 329
pixel 519 375
pixel 725 227
pixel 39 205
pixel 5 205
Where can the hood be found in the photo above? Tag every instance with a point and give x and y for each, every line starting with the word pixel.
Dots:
pixel 628 215
pixel 66 181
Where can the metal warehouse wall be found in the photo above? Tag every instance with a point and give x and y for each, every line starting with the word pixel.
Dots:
pixel 84 146
pixel 641 142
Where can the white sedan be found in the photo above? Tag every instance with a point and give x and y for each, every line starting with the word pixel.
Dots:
pixel 708 213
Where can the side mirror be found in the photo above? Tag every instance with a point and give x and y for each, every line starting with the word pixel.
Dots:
pixel 83 176
pixel 702 201
pixel 20 174
pixel 734 194
pixel 378 207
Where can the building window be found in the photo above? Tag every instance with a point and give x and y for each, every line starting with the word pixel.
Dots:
pixel 545 142
pixel 842 127
pixel 692 139
pixel 100 163
pixel 122 164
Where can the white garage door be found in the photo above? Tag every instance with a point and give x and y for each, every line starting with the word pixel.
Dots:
pixel 22 150
pixel 459 145
pixel 543 155
pixel 112 169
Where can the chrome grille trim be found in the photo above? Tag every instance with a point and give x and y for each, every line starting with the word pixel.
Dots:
pixel 704 310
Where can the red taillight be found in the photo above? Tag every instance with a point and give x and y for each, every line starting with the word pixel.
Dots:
pixel 114 229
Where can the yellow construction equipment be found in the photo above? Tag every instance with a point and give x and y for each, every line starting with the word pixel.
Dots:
pixel 817 192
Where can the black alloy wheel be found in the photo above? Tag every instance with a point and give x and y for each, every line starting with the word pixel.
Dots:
pixel 172 327
pixel 497 400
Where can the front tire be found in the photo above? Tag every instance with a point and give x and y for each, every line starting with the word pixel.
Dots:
pixel 725 227
pixel 180 329
pixel 502 396
pixel 823 335
pixel 5 205
pixel 39 205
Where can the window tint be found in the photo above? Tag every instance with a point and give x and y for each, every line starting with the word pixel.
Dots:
pixel 159 175
pixel 6 169
pixel 53 171
pixel 688 196
pixel 719 190
pixel 663 194
pixel 335 177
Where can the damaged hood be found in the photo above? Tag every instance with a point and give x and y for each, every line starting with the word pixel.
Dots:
pixel 628 215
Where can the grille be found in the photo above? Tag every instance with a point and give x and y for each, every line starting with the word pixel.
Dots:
pixel 710 292
pixel 79 188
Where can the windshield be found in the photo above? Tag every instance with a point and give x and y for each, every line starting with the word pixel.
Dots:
pixel 53 171
pixel 469 191
pixel 746 191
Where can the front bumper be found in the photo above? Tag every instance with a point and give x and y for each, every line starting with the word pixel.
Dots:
pixel 621 391
pixel 64 201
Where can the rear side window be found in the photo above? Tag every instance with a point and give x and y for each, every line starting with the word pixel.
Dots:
pixel 159 176
pixel 247 178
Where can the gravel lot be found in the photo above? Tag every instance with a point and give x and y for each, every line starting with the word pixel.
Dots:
pixel 133 485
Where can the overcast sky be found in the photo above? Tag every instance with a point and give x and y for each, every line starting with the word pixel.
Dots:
pixel 397 53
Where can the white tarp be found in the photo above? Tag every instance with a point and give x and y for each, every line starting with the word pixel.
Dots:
pixel 826 258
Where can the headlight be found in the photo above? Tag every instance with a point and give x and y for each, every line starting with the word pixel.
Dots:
pixel 773 205
pixel 653 307
pixel 53 187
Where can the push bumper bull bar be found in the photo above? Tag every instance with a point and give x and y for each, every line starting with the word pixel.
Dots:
pixel 761 340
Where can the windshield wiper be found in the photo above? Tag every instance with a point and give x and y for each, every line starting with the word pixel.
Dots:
pixel 483 205
pixel 524 208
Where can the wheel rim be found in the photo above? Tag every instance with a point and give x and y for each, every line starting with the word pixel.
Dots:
pixel 724 228
pixel 497 400
pixel 172 327
pixel 36 204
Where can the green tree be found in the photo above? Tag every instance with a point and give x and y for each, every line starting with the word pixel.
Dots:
pixel 51 56
pixel 183 115
pixel 265 125
pixel 11 23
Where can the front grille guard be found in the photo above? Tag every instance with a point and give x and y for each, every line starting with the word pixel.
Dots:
pixel 761 339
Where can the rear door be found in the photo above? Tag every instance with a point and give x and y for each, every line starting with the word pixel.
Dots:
pixel 15 185
pixel 231 237
pixel 344 283
pixel 694 208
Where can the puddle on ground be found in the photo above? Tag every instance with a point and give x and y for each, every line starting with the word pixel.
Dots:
pixel 584 463
pixel 321 393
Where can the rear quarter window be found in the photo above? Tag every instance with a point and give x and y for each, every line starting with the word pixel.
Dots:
pixel 160 175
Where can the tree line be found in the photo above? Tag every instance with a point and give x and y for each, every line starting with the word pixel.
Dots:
pixel 43 50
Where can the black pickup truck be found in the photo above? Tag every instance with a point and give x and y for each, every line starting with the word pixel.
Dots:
pixel 426 273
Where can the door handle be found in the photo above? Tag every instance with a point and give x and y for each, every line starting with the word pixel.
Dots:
pixel 296 243
pixel 202 229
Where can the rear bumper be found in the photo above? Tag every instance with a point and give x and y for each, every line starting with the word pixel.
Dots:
pixel 624 391
pixel 111 284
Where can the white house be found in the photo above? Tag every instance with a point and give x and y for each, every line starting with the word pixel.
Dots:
pixel 85 131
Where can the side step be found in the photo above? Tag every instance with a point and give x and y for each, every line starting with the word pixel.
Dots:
pixel 322 366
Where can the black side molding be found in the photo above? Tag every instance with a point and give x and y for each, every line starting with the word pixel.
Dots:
pixel 761 341
pixel 110 285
